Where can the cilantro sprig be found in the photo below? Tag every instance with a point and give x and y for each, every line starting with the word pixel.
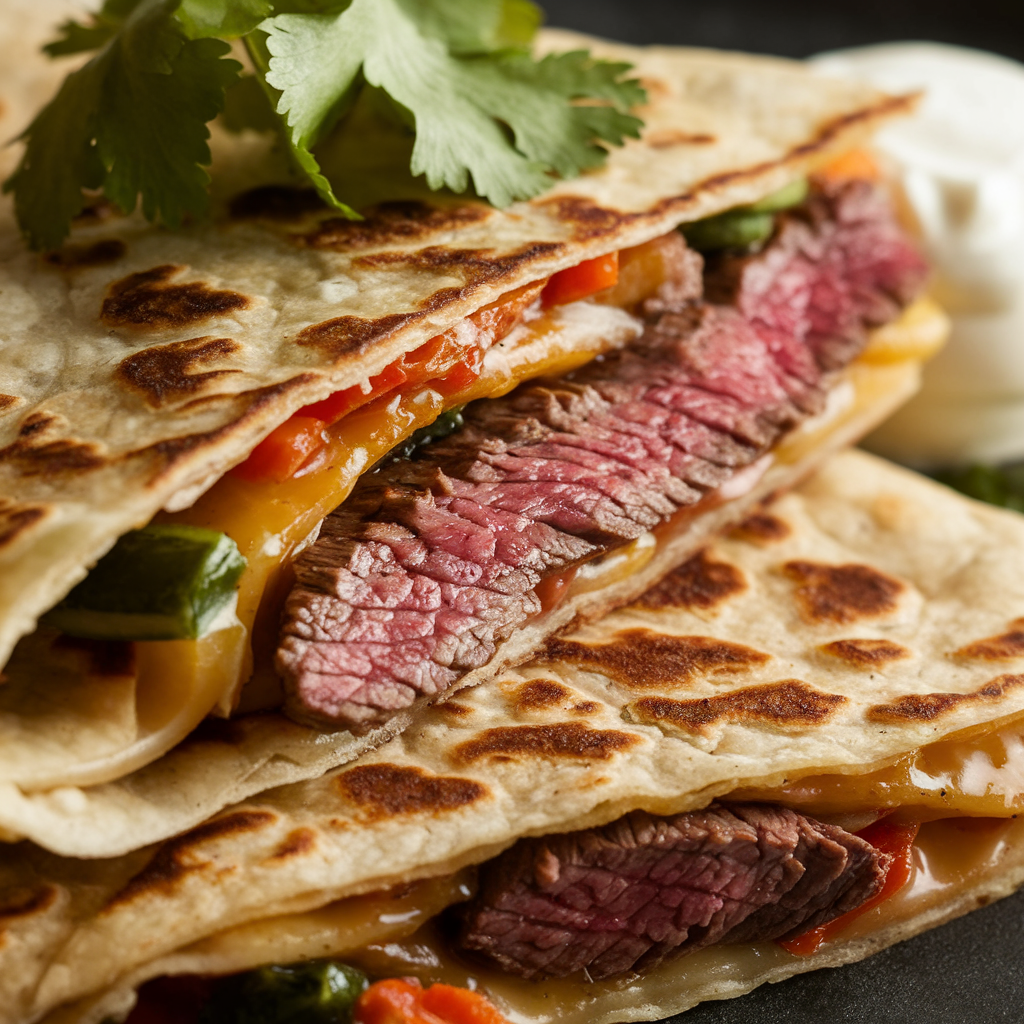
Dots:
pixel 458 74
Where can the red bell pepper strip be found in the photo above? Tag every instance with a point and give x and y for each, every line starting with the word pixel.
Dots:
pixel 895 839
pixel 280 454
pixel 405 1001
pixel 587 278
pixel 445 358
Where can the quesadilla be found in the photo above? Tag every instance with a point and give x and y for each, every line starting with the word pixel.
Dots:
pixel 242 377
pixel 842 667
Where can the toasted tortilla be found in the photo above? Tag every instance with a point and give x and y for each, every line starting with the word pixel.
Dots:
pixel 865 615
pixel 243 321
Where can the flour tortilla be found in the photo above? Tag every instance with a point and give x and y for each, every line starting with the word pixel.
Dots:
pixel 555 745
pixel 85 457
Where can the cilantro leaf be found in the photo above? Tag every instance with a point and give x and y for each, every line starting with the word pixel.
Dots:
pixel 159 92
pixel 60 160
pixel 443 91
pixel 460 105
pixel 132 121
pixel 481 27
pixel 79 38
pixel 222 19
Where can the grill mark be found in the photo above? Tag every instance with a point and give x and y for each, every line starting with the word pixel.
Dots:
pixel 389 790
pixel 69 257
pixel 842 593
pixel 275 202
pixel 174 449
pixel 762 528
pixel 1004 647
pixel 789 702
pixel 16 519
pixel 24 903
pixel 346 335
pixel 298 842
pixel 388 223
pixel 538 694
pixel 866 653
pixel 700 582
pixel 671 137
pixel 177 859
pixel 145 301
pixel 642 658
pixel 165 372
pixel 561 740
pixel 926 707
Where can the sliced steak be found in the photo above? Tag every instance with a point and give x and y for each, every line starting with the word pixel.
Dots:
pixel 626 896
pixel 433 563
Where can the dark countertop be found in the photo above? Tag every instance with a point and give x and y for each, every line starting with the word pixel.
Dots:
pixel 968 971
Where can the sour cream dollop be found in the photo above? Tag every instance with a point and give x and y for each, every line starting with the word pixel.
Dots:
pixel 960 164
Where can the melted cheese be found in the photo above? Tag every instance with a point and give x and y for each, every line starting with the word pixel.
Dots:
pixel 979 775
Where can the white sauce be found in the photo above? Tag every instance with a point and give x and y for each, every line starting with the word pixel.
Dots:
pixel 960 163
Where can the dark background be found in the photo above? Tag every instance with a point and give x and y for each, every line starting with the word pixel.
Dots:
pixel 797 28
pixel 969 971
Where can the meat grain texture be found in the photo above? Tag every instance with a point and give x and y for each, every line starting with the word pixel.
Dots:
pixel 430 565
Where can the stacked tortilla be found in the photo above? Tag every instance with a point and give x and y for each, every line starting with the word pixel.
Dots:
pixel 851 625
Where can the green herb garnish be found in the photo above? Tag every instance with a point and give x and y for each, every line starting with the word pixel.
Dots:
pixel 457 74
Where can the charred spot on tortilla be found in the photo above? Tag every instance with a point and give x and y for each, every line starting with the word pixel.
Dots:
pixel 585 707
pixel 571 740
pixel 8 401
pixel 538 694
pixel 762 529
pixel 925 707
pixel 275 202
pixel 789 702
pixel 92 254
pixel 642 658
pixel 1005 647
pixel 350 335
pixel 587 219
pixel 671 137
pixel 388 790
pixel 173 450
pixel 178 858
pixel 700 582
pixel 843 593
pixel 32 455
pixel 25 902
pixel 452 708
pixel 101 657
pixel 388 223
pixel 162 373
pixel 16 518
pixel 866 653
pixel 298 842
pixel 472 266
pixel 147 301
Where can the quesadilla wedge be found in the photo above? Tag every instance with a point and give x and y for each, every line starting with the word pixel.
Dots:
pixel 239 378
pixel 845 663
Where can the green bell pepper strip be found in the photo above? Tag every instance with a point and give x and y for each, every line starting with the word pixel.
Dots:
pixel 157 583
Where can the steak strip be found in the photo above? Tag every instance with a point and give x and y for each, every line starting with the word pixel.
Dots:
pixel 431 564
pixel 631 894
